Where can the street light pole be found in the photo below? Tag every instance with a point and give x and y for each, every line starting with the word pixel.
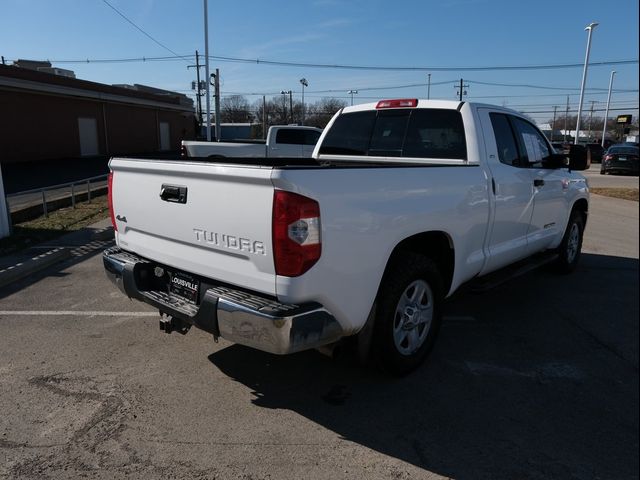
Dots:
pixel 590 28
pixel 428 86
pixel 206 68
pixel 352 92
pixel 304 83
pixel 284 102
pixel 606 113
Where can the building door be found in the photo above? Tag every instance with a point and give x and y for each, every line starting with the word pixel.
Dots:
pixel 165 138
pixel 88 131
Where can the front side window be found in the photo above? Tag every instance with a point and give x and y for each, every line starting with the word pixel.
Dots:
pixel 533 147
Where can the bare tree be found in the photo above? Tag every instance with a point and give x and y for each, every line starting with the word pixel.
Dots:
pixel 235 109
pixel 319 113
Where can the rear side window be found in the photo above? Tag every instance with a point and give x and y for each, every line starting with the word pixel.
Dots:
pixel 290 136
pixel 311 137
pixel 415 133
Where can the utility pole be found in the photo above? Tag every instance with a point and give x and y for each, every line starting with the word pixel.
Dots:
pixel 591 119
pixel 566 118
pixel 216 93
pixel 198 89
pixel 553 125
pixel 606 115
pixel 264 117
pixel 3 62
pixel 428 86
pixel 352 93
pixel 461 88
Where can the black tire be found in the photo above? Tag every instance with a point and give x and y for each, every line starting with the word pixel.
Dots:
pixel 603 171
pixel 409 275
pixel 571 245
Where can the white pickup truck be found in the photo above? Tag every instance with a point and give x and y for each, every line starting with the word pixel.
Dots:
pixel 402 203
pixel 290 141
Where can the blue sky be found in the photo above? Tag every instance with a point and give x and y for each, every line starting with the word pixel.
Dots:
pixel 427 33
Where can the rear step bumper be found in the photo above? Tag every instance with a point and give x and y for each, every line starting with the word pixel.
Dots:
pixel 235 315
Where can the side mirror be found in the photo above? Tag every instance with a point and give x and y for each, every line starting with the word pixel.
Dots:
pixel 578 159
pixel 555 160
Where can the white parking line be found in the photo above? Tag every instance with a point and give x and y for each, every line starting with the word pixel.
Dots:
pixel 74 313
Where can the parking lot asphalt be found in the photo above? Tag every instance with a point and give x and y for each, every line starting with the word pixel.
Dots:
pixel 535 379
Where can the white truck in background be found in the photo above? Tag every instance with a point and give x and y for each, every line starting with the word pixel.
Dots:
pixel 402 202
pixel 292 141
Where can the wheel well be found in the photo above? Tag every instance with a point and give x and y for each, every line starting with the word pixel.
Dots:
pixel 581 206
pixel 435 245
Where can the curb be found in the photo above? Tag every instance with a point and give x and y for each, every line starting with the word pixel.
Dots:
pixel 33 265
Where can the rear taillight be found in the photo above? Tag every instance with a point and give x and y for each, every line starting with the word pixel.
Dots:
pixel 110 200
pixel 296 233
pixel 608 157
pixel 398 103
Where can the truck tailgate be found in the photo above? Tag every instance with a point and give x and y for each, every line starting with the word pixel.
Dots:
pixel 213 220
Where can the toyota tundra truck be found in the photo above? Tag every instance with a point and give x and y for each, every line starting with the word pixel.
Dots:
pixel 402 202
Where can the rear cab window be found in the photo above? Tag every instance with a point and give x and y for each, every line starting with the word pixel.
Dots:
pixel 415 133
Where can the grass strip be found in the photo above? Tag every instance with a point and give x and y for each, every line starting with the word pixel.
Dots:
pixel 617 192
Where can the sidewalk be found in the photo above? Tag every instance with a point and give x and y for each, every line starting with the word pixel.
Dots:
pixel 20 265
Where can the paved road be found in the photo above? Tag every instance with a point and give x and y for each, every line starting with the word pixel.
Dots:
pixel 536 379
pixel 597 180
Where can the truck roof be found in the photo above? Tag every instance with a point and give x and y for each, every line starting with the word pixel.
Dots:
pixel 422 103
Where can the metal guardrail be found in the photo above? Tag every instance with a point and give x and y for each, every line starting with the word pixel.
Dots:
pixel 71 185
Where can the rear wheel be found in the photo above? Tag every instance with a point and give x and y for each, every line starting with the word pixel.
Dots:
pixel 408 313
pixel 571 246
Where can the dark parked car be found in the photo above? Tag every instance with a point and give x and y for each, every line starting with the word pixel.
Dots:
pixel 595 152
pixel 622 158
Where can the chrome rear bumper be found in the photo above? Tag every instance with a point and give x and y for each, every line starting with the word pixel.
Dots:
pixel 239 316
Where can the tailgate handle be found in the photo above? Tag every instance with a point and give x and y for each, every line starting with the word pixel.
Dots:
pixel 173 193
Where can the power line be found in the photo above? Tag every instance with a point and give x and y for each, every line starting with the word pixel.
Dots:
pixel 124 60
pixel 140 29
pixel 336 66
pixel 429 69
pixel 545 87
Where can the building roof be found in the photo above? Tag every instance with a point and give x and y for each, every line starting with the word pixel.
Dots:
pixel 16 78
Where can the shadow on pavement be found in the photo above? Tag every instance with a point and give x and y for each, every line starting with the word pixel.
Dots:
pixel 535 379
pixel 80 249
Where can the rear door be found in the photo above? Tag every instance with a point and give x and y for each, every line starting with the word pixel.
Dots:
pixel 207 219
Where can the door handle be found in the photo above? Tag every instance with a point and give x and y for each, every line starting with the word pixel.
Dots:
pixel 173 193
pixel 538 182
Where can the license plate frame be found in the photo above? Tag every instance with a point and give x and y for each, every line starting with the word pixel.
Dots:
pixel 184 285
